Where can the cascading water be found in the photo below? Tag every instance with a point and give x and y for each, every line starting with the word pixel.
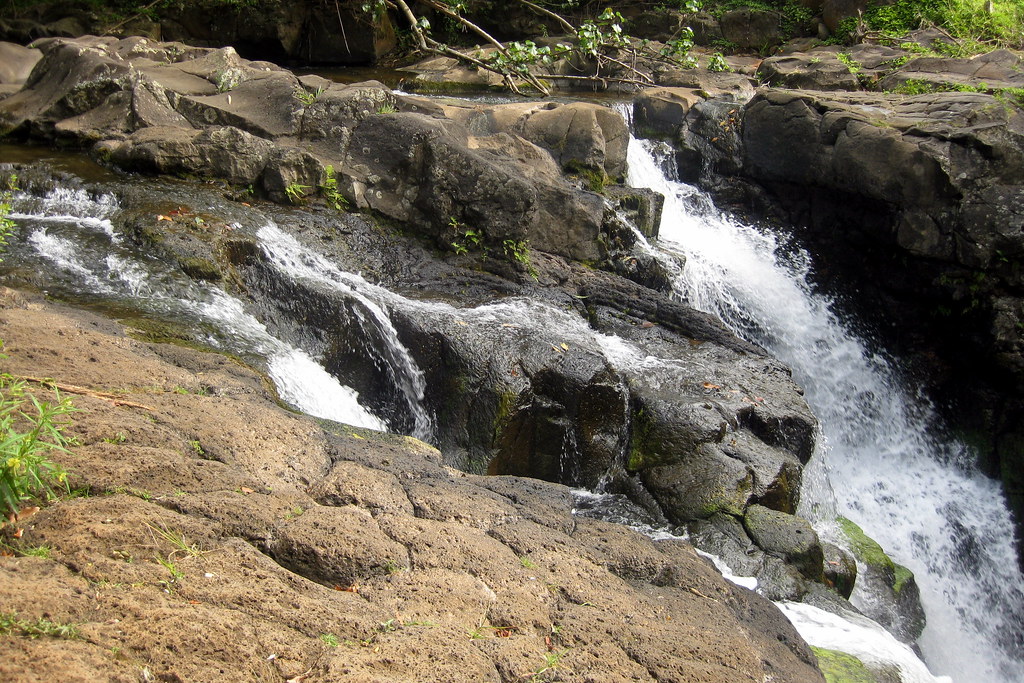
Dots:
pixel 891 468
pixel 72 231
pixel 299 263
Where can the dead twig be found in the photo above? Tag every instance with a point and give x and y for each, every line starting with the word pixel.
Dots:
pixel 83 391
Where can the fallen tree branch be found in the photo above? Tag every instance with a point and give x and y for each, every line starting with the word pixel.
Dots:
pixel 131 18
pixel 83 391
pixel 428 44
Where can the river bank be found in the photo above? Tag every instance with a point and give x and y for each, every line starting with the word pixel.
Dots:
pixel 217 536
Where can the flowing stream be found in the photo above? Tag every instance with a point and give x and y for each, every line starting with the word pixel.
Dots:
pixel 884 461
pixel 72 231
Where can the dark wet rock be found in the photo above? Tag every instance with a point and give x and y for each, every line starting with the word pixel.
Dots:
pixel 886 591
pixel 786 536
pixel 814 71
pixel 936 180
pixel 840 569
pixel 751 28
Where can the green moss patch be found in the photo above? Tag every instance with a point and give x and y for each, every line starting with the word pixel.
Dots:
pixel 840 667
pixel 865 548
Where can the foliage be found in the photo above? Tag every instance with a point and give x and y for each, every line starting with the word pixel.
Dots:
pixel 296 192
pixel 307 98
pixel 973 25
pixel 552 661
pixel 852 64
pixel 517 250
pixel 329 190
pixel 6 224
pixel 30 430
pixel 678 49
pixel 716 62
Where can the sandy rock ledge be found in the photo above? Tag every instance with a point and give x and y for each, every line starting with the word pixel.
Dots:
pixel 316 552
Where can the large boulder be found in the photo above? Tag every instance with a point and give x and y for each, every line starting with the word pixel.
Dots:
pixel 16 63
pixel 495 170
pixel 751 28
pixel 808 71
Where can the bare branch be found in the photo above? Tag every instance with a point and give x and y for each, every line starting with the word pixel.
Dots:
pixel 557 17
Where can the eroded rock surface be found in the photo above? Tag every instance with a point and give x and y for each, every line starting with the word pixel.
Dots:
pixel 171 108
pixel 308 549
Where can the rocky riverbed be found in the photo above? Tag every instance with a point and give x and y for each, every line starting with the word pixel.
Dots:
pixel 483 203
pixel 218 537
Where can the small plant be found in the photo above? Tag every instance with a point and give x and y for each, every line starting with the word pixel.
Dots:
pixel 43 551
pixel 296 192
pixel 176 574
pixel 392 567
pixel 387 108
pixel 852 64
pixel 329 190
pixel 716 62
pixel 468 238
pixel 12 625
pixel 307 98
pixel 30 430
pixel 518 250
pixel 329 639
pixel 197 448
pixel 552 661
pixel 527 562
pixel 177 539
pixel 120 437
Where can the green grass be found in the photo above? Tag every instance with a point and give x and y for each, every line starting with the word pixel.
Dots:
pixel 13 625
pixel 177 540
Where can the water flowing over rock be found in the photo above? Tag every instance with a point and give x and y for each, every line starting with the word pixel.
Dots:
pixel 508 353
pixel 916 198
pixel 303 547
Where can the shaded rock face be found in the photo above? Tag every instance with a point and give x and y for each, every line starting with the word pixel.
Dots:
pixel 343 553
pixel 916 199
pixel 288 32
pixel 170 108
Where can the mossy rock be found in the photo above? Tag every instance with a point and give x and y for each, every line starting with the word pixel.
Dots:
pixel 787 536
pixel 865 548
pixel 199 268
pixel 840 667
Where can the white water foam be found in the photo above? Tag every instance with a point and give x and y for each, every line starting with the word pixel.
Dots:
pixel 860 637
pixel 917 493
pixel 108 270
pixel 294 260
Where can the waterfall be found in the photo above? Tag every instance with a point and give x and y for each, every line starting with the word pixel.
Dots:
pixel 300 263
pixel 72 232
pixel 884 461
